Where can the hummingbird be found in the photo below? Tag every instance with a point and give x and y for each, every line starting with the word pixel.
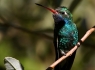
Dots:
pixel 65 36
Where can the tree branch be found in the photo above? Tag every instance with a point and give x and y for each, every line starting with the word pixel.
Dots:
pixel 72 50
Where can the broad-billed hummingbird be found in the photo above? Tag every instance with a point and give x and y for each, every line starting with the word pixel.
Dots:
pixel 65 36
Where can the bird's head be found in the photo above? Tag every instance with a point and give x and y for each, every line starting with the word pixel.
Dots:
pixel 59 14
pixel 63 14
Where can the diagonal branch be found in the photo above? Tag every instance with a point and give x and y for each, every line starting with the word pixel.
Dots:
pixel 72 50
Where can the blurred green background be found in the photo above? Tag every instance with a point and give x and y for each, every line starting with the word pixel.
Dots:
pixel 26 32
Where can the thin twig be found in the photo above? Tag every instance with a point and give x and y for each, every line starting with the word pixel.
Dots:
pixel 39 33
pixel 72 50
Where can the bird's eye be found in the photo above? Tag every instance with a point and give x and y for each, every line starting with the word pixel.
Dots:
pixel 62 12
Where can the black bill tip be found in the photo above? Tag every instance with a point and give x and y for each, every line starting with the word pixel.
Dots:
pixel 38 4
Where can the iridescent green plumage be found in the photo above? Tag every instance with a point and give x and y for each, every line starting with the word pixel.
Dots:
pixel 65 32
pixel 68 36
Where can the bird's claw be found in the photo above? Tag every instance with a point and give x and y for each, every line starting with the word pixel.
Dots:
pixel 63 52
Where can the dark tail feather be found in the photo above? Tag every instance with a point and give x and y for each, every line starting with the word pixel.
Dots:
pixel 65 64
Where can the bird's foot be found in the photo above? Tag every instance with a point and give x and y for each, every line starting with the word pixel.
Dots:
pixel 63 52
